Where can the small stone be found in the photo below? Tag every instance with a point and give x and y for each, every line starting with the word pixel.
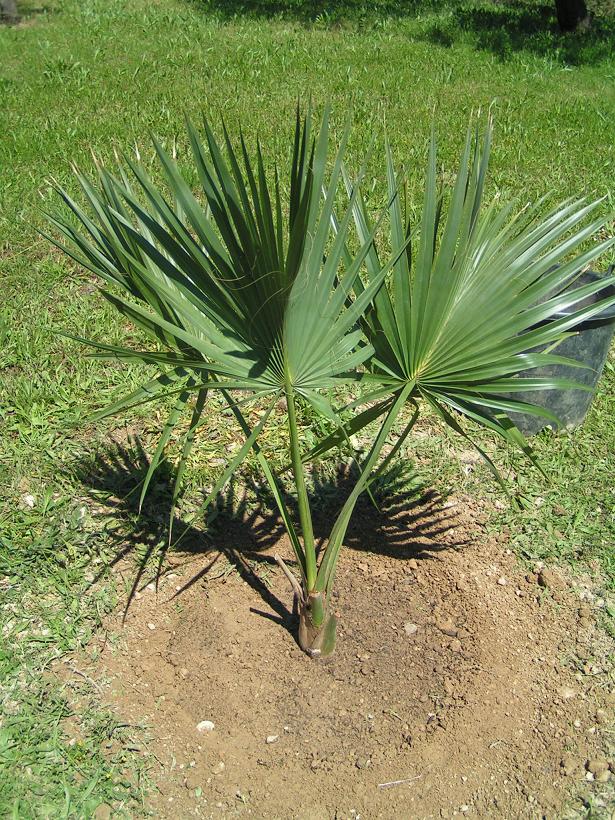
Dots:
pixel 30 501
pixel 502 581
pixel 462 586
pixel 183 672
pixel 447 628
pixel 410 628
pixel 449 686
pixel 151 626
pixel 272 738
pixel 597 765
pixel 567 693
pixel 455 646
pixel 464 809
pixel 413 563
pixel 102 812
pixel 363 566
pixel 151 587
pixel 463 634
pixel 205 726
pixel 362 762
pixel 219 768
pixel 602 717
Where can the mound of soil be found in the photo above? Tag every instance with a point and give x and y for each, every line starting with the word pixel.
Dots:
pixel 460 685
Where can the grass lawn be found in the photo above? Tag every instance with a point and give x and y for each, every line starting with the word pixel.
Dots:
pixel 101 74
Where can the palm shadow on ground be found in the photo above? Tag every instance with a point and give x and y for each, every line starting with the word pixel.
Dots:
pixel 500 28
pixel 242 529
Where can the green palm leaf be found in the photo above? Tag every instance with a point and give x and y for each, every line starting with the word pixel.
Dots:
pixel 462 317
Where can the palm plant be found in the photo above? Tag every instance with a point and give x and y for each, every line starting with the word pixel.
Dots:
pixel 257 297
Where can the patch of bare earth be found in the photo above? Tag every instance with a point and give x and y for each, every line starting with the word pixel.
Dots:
pixel 458 685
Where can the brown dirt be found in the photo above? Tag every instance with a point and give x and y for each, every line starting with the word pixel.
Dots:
pixel 489 708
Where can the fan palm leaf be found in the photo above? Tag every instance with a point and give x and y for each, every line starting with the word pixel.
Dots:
pixel 483 297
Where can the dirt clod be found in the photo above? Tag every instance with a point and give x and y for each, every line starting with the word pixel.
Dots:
pixel 570 765
pixel 597 765
pixel 531 578
pixel 549 579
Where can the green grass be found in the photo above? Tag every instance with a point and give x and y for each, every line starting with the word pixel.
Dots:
pixel 101 74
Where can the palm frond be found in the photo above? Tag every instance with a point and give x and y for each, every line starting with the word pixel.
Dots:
pixel 486 296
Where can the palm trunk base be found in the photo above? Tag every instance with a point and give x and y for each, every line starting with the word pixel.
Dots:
pixel 316 641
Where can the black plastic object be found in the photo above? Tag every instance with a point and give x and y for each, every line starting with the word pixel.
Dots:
pixel 589 345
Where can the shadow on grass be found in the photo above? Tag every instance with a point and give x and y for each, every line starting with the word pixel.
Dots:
pixel 244 526
pixel 322 12
pixel 488 25
pixel 507 29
